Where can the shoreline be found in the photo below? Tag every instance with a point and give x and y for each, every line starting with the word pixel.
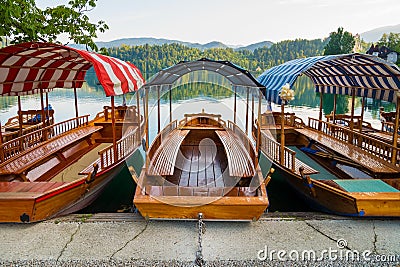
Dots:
pixel 127 239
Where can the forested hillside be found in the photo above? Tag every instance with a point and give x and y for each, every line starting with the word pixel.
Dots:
pixel 153 58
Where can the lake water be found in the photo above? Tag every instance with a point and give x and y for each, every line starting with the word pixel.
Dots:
pixel 217 99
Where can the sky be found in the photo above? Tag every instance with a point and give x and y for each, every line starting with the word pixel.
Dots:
pixel 238 22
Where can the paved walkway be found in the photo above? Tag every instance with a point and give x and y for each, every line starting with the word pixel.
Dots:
pixel 127 239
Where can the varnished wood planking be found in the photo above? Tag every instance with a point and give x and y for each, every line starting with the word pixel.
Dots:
pixel 207 169
pixel 53 205
pixel 221 208
pixel 12 207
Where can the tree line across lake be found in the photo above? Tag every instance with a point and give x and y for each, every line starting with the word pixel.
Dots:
pixel 153 58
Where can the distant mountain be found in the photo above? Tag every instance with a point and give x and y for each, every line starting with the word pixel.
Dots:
pixel 253 47
pixel 157 41
pixel 374 35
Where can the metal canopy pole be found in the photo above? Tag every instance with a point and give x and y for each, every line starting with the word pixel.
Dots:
pixel 247 110
pixel 395 131
pixel 147 117
pixel 353 99
pixel 138 112
pixel 43 115
pixel 252 110
pixel 321 101
pixel 234 105
pixel 76 102
pixel 170 103
pixel 282 154
pixel 362 113
pixel 47 108
pixel 144 115
pixel 334 107
pixel 1 144
pixel 258 140
pixel 158 109
pixel 114 135
pixel 20 115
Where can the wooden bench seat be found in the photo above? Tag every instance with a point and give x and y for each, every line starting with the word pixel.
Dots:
pixel 164 159
pixel 171 190
pixel 35 155
pixel 352 152
pixel 239 160
pixel 35 187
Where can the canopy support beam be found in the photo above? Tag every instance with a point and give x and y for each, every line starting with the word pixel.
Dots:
pixel 395 131
pixel 43 115
pixel 20 122
pixel 1 144
pixel 114 135
pixel 147 117
pixel 321 101
pixel 138 113
pixel 47 108
pixel 76 101
pixel 247 110
pixel 158 109
pixel 146 120
pixel 282 155
pixel 258 140
pixel 353 99
pixel 362 114
pixel 334 107
pixel 252 111
pixel 234 105
pixel 170 103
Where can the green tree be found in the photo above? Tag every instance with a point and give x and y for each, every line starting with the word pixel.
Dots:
pixel 23 21
pixel 392 41
pixel 340 42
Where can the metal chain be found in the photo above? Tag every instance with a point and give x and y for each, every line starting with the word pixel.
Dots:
pixel 199 261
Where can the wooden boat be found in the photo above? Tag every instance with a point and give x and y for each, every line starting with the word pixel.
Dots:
pixel 61 168
pixel 339 169
pixel 31 121
pixel 201 164
pixel 330 174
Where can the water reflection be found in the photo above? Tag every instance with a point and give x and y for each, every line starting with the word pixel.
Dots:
pixel 186 98
pixel 307 101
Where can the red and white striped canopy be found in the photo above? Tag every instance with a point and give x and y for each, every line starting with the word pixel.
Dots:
pixel 28 67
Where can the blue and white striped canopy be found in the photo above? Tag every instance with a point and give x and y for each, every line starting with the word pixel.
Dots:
pixel 367 75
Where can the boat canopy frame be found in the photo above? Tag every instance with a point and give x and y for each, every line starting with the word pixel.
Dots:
pixel 234 73
pixel 38 67
pixel 27 68
pixel 365 75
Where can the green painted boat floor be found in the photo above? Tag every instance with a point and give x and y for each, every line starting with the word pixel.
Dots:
pixel 323 174
pixel 366 185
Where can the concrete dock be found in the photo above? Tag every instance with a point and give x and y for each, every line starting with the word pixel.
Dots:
pixel 277 239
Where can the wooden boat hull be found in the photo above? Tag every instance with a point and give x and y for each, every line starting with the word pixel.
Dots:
pixel 220 178
pixel 64 199
pixel 331 200
pixel 325 193
pixel 49 194
pixel 217 208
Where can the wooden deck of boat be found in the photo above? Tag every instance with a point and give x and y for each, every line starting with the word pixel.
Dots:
pixel 386 137
pixel 32 156
pixel 33 187
pixel 354 153
pixel 203 169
